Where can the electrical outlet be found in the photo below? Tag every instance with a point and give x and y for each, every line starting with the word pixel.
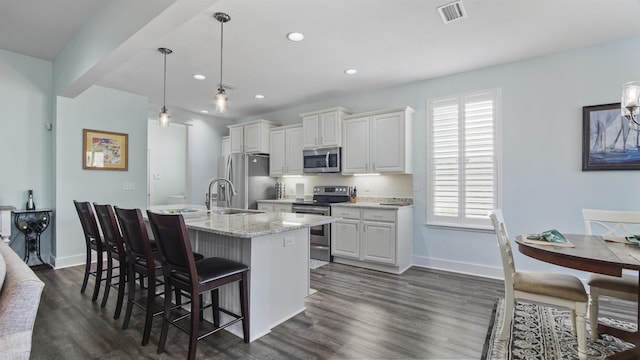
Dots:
pixel 128 186
pixel 288 241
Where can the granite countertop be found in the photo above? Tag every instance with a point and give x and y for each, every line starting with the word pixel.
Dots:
pixel 277 201
pixel 364 202
pixel 373 205
pixel 246 225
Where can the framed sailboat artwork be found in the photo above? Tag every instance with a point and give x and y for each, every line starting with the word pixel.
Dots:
pixel 609 140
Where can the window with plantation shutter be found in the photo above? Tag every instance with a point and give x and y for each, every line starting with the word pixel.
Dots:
pixel 462 159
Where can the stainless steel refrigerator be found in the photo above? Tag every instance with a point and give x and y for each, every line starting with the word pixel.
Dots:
pixel 249 174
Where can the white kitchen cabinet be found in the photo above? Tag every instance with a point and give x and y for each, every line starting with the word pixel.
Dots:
pixel 355 152
pixel 379 242
pixel 274 207
pixel 285 151
pixel 250 137
pixel 236 139
pixel 378 142
pixel 323 128
pixel 346 241
pixel 374 238
pixel 225 147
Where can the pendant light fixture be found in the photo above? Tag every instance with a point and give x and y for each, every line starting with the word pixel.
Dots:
pixel 164 115
pixel 221 97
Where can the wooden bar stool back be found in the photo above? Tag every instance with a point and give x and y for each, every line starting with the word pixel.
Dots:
pixel 141 260
pixel 115 250
pixel 93 242
pixel 196 278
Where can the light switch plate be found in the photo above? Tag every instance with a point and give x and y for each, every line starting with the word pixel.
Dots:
pixel 128 186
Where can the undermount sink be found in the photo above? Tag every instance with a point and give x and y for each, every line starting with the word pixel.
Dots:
pixel 229 211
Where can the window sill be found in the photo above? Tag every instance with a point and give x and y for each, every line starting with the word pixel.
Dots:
pixel 470 228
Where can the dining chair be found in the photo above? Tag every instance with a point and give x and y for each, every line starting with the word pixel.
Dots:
pixel 93 242
pixel 183 272
pixel 115 250
pixel 549 288
pixel 615 224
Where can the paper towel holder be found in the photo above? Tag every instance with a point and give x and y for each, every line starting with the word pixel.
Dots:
pixel 300 192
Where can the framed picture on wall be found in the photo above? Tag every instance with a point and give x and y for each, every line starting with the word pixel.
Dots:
pixel 609 142
pixel 104 150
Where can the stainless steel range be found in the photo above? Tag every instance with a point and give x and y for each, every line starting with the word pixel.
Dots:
pixel 323 197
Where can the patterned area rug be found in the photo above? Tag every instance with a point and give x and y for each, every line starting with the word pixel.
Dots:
pixel 541 332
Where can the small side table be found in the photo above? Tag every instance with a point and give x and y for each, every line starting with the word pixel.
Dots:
pixel 32 223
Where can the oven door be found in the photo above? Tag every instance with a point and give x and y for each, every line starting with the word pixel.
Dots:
pixel 320 240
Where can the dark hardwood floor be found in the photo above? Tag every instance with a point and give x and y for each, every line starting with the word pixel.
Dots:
pixel 356 314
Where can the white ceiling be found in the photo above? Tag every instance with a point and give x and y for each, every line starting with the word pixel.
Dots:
pixel 390 42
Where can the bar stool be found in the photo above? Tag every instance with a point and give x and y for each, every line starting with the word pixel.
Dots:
pixel 93 241
pixel 182 272
pixel 115 250
pixel 140 260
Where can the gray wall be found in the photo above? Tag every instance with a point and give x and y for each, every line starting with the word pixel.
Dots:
pixel 26 156
pixel 97 108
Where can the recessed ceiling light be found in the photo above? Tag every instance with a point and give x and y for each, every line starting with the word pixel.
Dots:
pixel 351 71
pixel 199 77
pixel 204 111
pixel 295 36
pixel 259 96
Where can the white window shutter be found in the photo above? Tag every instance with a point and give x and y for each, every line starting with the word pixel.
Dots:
pixel 462 157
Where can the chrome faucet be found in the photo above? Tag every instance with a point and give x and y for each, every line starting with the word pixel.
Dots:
pixel 208 199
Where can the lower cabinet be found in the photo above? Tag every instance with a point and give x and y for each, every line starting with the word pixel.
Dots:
pixel 271 207
pixel 374 238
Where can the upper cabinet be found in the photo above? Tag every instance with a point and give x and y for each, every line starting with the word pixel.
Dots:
pixel 285 151
pixel 378 142
pixel 225 146
pixel 250 137
pixel 323 128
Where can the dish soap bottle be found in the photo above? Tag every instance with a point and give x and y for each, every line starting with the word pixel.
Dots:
pixel 30 204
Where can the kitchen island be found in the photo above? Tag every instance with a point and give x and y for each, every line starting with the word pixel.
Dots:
pixel 274 245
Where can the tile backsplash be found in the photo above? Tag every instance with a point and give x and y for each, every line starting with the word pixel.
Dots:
pixel 400 186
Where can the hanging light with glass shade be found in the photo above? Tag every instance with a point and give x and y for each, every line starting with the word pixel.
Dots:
pixel 630 103
pixel 164 115
pixel 221 97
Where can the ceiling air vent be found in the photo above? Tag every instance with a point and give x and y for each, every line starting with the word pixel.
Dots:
pixel 228 87
pixel 452 11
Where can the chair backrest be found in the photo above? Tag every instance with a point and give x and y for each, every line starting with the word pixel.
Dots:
pixel 611 222
pixel 110 229
pixel 173 242
pixel 88 222
pixel 508 265
pixel 135 236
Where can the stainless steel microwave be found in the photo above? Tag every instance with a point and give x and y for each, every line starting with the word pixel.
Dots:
pixel 320 161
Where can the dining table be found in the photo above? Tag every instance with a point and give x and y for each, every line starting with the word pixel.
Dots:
pixel 596 255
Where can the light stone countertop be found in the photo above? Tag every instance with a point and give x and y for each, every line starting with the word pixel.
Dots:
pixel 277 201
pixel 372 205
pixel 388 204
pixel 248 225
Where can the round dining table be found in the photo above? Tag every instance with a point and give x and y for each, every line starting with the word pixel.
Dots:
pixel 593 254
